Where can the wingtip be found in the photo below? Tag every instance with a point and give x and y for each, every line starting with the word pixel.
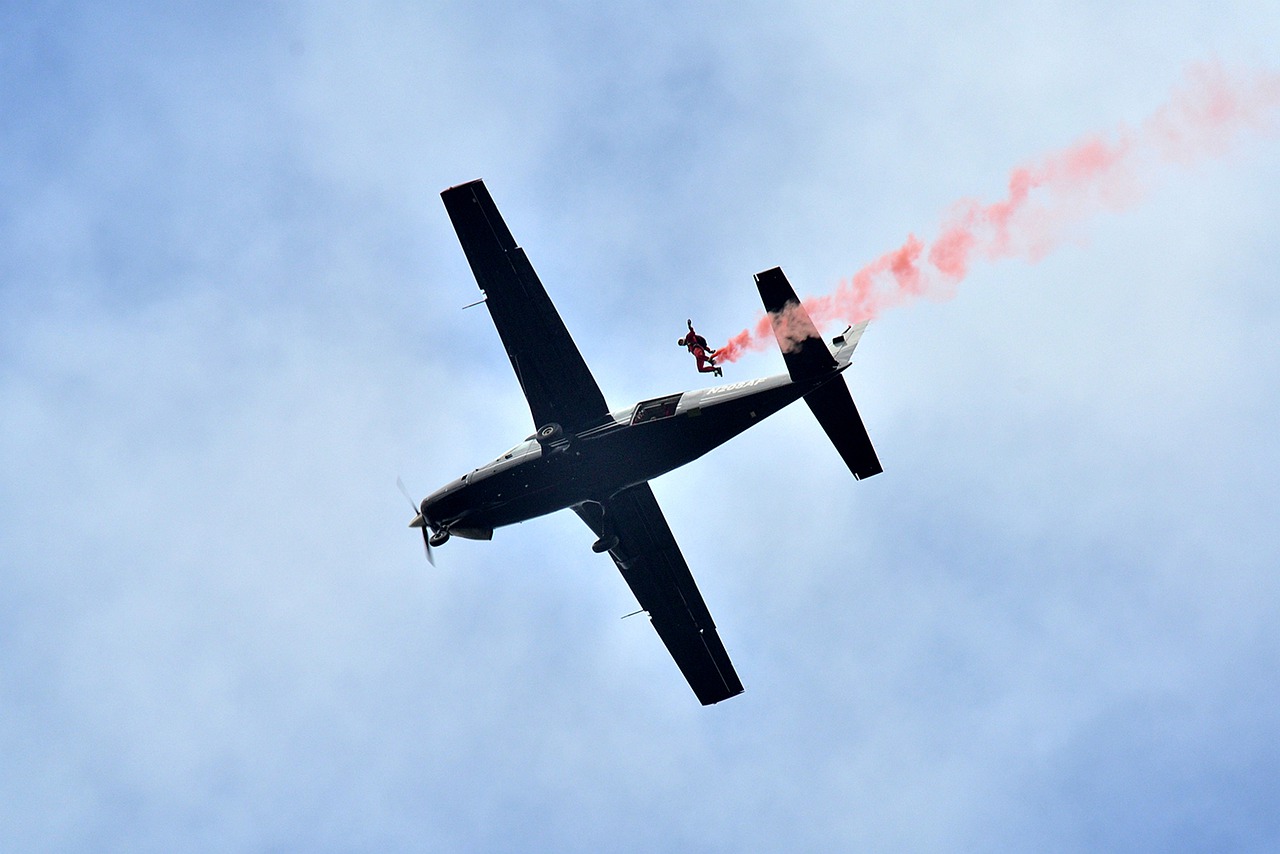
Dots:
pixel 464 185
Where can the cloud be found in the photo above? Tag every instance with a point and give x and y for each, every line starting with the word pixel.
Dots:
pixel 230 320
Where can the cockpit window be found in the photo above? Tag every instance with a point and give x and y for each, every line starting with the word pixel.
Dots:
pixel 652 410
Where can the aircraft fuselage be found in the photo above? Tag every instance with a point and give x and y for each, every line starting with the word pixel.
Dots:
pixel 632 446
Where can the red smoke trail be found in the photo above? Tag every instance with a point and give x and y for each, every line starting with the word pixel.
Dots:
pixel 1046 200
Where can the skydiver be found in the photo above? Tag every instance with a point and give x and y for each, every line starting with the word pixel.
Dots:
pixel 697 345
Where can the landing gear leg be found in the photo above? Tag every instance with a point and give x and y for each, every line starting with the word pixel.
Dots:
pixel 439 538
pixel 608 539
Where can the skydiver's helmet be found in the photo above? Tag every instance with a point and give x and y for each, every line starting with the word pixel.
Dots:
pixel 680 342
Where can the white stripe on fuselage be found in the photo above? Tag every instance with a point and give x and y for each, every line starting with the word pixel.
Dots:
pixel 733 387
pixel 723 394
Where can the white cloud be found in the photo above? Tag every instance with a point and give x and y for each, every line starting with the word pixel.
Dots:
pixel 230 320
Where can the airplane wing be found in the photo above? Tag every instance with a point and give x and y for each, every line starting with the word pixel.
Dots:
pixel 552 373
pixel 652 565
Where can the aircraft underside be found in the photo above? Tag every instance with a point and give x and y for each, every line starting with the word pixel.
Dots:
pixel 599 463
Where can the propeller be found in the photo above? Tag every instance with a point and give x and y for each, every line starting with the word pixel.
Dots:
pixel 418 522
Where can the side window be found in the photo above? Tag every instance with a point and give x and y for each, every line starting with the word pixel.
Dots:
pixel 652 410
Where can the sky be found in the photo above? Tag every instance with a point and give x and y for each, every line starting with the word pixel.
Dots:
pixel 231 315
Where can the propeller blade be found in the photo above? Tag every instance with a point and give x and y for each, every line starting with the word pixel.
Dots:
pixel 418 521
pixel 404 490
pixel 426 544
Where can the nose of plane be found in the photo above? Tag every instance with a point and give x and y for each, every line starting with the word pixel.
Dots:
pixel 435 507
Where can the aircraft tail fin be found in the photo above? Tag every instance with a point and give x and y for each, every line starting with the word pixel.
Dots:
pixel 808 358
pixel 846 342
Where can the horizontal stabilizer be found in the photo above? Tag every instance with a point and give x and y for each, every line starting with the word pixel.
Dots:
pixel 808 358
pixel 835 410
pixel 803 349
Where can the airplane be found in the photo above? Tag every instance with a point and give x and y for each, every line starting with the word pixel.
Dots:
pixel 598 461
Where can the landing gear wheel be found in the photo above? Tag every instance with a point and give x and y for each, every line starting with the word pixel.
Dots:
pixel 604 544
pixel 549 433
pixel 439 538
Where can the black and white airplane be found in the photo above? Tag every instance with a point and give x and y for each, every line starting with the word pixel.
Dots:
pixel 598 461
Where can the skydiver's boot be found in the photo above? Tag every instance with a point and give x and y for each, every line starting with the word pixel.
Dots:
pixel 719 372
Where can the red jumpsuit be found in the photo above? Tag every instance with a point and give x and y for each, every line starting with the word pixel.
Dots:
pixel 697 345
